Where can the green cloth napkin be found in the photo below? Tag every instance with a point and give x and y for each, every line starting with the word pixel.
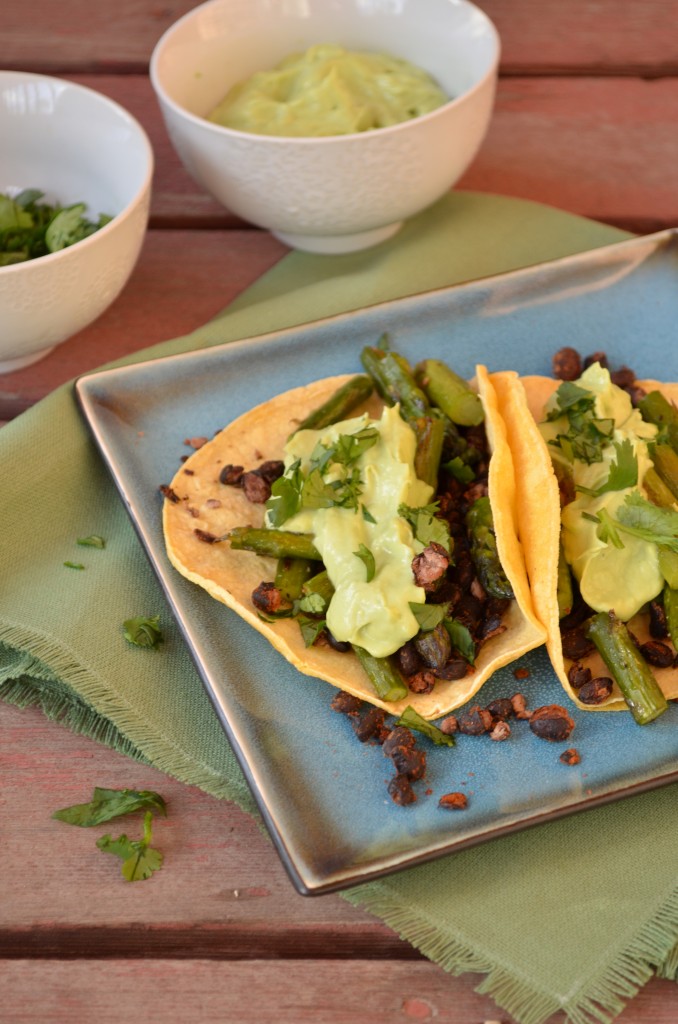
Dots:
pixel 575 915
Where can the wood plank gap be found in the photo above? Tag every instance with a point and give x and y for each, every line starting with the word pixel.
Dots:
pixel 664 69
pixel 206 941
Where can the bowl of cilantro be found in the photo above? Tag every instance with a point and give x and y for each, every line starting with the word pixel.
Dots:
pixel 75 184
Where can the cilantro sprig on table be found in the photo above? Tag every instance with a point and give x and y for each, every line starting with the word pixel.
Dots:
pixel 139 858
pixel 30 228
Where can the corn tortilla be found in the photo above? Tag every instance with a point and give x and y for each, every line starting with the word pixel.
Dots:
pixel 538 501
pixel 230 576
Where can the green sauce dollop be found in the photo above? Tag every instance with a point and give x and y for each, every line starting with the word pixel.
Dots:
pixel 329 91
pixel 369 609
pixel 610 578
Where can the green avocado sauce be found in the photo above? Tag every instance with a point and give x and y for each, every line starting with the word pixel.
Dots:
pixel 328 90
pixel 615 578
pixel 373 613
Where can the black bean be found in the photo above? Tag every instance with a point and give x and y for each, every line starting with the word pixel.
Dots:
pixel 576 644
pixel 551 722
pixel 370 725
pixel 596 690
pixel 399 736
pixel 400 790
pixel 567 364
pixel 578 675
pixel 656 653
pixel 475 721
pixel 501 708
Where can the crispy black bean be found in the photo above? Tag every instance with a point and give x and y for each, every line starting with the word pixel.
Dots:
pixel 595 691
pixel 551 722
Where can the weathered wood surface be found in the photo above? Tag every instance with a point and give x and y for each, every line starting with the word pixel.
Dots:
pixel 217 935
pixel 182 280
pixel 585 120
pixel 603 148
pixel 573 37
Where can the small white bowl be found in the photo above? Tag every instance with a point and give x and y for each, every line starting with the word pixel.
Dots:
pixel 74 145
pixel 331 194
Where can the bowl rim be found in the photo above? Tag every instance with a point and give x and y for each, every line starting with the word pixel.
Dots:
pixel 125 213
pixel 312 140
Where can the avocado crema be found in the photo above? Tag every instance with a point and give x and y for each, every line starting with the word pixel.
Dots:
pixel 611 578
pixel 328 90
pixel 371 603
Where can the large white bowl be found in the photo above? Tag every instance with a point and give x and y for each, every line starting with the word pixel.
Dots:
pixel 332 194
pixel 75 145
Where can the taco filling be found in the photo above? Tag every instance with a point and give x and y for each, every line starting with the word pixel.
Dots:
pixel 375 544
pixel 607 586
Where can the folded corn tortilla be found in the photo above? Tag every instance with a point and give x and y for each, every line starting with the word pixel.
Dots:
pixel 230 576
pixel 521 407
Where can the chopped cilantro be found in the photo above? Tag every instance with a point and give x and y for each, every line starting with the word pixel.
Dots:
pixel 295 491
pixel 639 518
pixel 313 603
pixel 587 434
pixel 93 541
pixel 110 803
pixel 310 629
pixel 426 525
pixel 139 858
pixel 367 558
pixel 461 639
pixel 30 228
pixel 285 495
pixel 74 565
pixel 143 631
pixel 428 615
pixel 623 471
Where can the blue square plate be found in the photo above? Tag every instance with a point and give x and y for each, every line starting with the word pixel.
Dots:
pixel 323 794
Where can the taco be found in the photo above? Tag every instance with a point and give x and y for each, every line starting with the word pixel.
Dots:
pixel 599 527
pixel 445 651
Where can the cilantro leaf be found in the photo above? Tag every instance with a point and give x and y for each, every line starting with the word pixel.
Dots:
pixel 639 518
pixel 111 803
pixel 623 471
pixel 587 434
pixel 461 639
pixel 93 541
pixel 367 558
pixel 310 629
pixel 140 860
pixel 428 615
pixel 348 448
pixel 74 565
pixel 285 497
pixel 426 526
pixel 143 631
pixel 367 515
pixel 413 720
pixel 314 604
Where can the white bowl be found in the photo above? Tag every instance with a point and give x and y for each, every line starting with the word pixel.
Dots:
pixel 331 194
pixel 74 145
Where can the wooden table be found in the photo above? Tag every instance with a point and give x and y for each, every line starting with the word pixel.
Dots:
pixel 586 120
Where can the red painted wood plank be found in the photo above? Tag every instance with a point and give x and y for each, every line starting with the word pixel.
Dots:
pixel 221 873
pixel 580 36
pixel 336 992
pixel 182 280
pixel 606 149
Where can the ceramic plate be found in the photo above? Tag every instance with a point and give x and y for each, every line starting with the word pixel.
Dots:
pixel 322 793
